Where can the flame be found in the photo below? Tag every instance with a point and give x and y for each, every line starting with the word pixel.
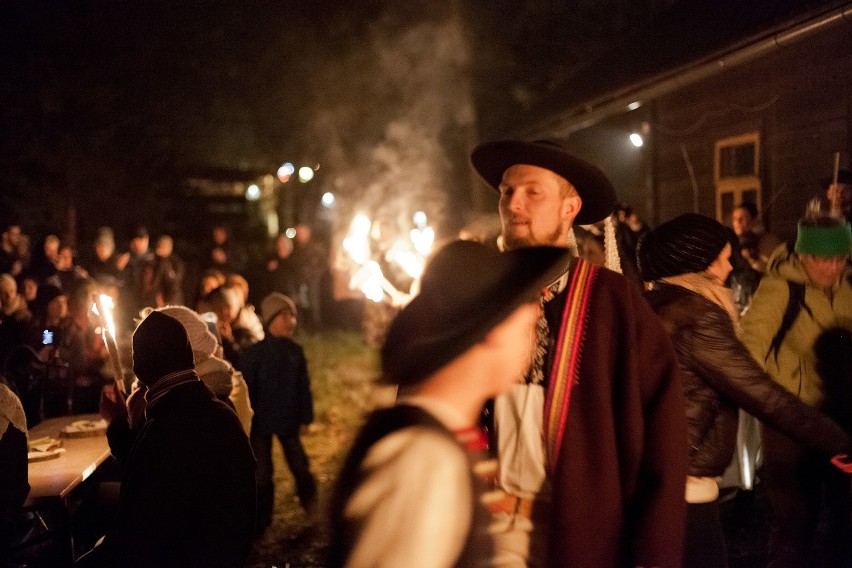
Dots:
pixel 357 242
pixel 368 279
pixel 408 252
pixel 108 305
pixel 423 240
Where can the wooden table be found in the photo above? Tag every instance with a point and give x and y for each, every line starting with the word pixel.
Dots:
pixel 57 477
pixel 58 486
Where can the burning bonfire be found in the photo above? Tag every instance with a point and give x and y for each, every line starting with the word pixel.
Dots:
pixel 385 265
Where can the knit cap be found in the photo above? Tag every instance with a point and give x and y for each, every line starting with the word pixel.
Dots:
pixel 826 238
pixel 199 336
pixel 273 304
pixel 688 243
pixel 216 374
pixel 161 346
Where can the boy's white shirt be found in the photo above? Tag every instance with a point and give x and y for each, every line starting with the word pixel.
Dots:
pixel 413 507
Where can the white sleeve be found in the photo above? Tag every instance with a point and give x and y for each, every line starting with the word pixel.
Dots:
pixel 239 397
pixel 413 508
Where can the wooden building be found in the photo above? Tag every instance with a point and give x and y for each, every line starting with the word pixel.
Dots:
pixel 747 103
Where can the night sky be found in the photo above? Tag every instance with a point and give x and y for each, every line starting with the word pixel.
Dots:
pixel 109 105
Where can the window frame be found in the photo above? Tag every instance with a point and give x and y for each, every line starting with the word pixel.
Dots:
pixel 739 184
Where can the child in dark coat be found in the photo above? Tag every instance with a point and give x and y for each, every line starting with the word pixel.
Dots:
pixel 276 372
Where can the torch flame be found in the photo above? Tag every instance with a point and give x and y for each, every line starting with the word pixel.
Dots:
pixel 108 305
pixel 103 307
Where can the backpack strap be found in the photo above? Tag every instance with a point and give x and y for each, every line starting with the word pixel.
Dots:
pixel 795 304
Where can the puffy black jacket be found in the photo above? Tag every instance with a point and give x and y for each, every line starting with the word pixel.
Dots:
pixel 719 375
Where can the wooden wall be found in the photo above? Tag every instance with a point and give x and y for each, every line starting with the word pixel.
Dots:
pixel 797 97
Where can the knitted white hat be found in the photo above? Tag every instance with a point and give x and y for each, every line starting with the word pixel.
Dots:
pixel 216 374
pixel 199 336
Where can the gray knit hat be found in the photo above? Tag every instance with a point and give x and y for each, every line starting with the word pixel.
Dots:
pixel 689 243
pixel 201 339
pixel 273 304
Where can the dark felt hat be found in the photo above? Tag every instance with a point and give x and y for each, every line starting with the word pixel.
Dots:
pixel 492 159
pixel 466 290
pixel 688 243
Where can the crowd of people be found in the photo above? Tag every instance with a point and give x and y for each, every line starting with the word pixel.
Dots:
pixel 46 294
pixel 55 362
pixel 550 412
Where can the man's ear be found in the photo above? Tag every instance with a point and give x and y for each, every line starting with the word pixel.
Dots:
pixel 571 207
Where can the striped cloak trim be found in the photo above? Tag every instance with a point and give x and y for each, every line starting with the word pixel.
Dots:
pixel 566 363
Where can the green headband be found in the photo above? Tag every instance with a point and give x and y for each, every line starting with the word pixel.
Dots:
pixel 835 240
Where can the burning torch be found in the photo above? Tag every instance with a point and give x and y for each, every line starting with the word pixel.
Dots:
pixel 834 193
pixel 103 308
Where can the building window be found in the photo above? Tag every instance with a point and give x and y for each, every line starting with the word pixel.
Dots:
pixel 736 173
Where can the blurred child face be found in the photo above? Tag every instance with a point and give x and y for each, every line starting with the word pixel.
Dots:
pixel 30 289
pixel 283 325
pixel 13 235
pixel 513 342
pixel 23 247
pixel 823 271
pixel 209 283
pixel 139 245
pixel 7 294
pixel 303 234
pixel 65 260
pixel 721 267
pixel 103 250
pixel 220 235
pixel 283 246
pixel 224 312
pixel 51 246
pixel 240 285
pixel 165 247
pixel 57 308
pixel 741 221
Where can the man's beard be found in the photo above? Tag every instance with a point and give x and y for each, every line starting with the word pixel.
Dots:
pixel 553 239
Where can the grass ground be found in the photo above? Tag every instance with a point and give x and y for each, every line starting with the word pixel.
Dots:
pixel 344 372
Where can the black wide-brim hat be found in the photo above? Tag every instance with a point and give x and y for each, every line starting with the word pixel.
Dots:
pixel 467 289
pixel 492 159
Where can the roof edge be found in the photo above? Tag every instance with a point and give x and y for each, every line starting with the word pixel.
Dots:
pixel 625 99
